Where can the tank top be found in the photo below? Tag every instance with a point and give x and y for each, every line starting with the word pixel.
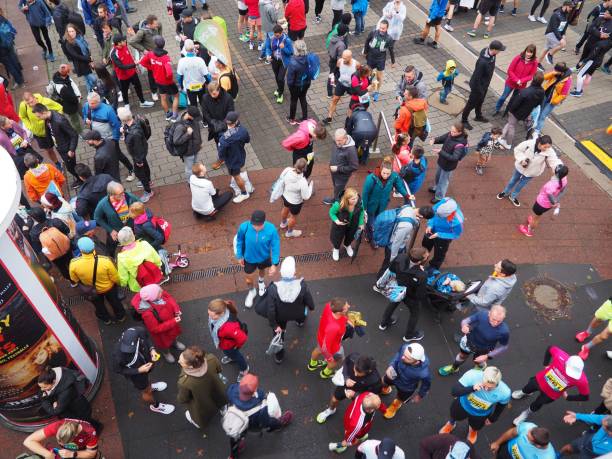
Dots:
pixel 346 71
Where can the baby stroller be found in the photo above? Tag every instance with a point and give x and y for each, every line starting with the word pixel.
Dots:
pixel 448 301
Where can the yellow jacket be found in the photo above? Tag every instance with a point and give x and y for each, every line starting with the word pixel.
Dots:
pixel 81 270
pixel 31 121
pixel 129 260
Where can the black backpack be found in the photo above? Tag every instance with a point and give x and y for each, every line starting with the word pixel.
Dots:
pixel 145 125
pixel 174 150
pixel 233 91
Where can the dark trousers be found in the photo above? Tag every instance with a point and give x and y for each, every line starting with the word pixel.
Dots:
pixel 37 32
pixel 8 58
pixel 457 413
pixel 152 84
pixel 415 311
pixel 62 264
pixel 584 37
pixel 542 399
pixel 112 297
pixel 337 17
pixel 440 247
pixel 401 395
pixel 143 173
pixel 339 185
pixel 124 85
pixel 474 102
pixel 221 199
pixel 297 34
pixel 196 98
pixel 333 68
pixel 279 75
pixel 99 35
pixel 385 264
pixel 340 234
pixel 299 154
pixel 298 92
pixel 536 3
pixel 319 7
pixel 124 159
pixel 502 452
pixel 69 163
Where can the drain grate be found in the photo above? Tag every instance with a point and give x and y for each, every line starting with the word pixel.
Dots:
pixel 214 272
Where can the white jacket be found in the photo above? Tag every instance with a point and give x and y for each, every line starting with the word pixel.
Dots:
pixel 537 161
pixel 395 18
pixel 296 189
pixel 202 191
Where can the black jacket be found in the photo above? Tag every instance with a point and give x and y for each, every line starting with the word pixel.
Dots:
pixel 557 23
pixel 192 141
pixel 38 227
pixel 69 99
pixel 453 150
pixel 136 141
pixel 187 29
pixel 346 159
pixel 527 99
pixel 70 402
pixel 106 160
pixel 372 382
pixel 411 277
pixel 598 26
pixel 375 41
pixel 360 126
pixel 214 112
pixel 64 15
pixel 127 363
pixel 483 72
pixel 280 311
pixel 90 193
pixel 76 56
pixel 66 138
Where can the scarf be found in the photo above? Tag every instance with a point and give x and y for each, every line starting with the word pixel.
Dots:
pixel 122 209
pixel 197 372
pixel 80 41
pixel 215 326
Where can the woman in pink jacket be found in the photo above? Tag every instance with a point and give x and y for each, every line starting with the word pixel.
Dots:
pixel 520 72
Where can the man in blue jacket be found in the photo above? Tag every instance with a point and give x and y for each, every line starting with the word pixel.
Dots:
pixel 593 443
pixel 442 229
pixel 257 247
pixel 278 50
pixel 232 151
pixel 408 370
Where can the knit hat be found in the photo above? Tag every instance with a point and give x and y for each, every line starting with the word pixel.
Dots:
pixel 446 207
pixel 150 292
pixel 248 386
pixel 193 112
pixel 125 236
pixel 86 245
pixel 159 41
pixel 287 269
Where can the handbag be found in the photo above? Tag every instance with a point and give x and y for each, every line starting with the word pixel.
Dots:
pixel 274 409
pixel 89 291
pixel 276 345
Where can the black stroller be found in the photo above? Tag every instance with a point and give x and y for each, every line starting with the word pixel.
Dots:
pixel 448 302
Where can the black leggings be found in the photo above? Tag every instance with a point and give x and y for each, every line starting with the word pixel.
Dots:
pixel 457 413
pixel 440 247
pixel 279 75
pixel 319 7
pixel 122 158
pixel 196 97
pixel 337 17
pixel 124 85
pixel 536 3
pixel 143 173
pixel 502 452
pixel 297 154
pixel 298 92
pixel 341 234
pixel 37 31
pixel 542 399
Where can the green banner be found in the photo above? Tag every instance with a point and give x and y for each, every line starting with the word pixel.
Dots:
pixel 212 34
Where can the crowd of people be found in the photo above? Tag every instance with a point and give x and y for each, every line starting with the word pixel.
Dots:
pixel 66 231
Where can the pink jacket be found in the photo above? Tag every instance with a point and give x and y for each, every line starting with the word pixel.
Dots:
pixel 523 70
pixel 301 138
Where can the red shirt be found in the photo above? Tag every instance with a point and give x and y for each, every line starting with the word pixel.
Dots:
pixel 357 422
pixel 160 66
pixel 331 331
pixel 553 380
pixel 125 57
pixel 295 13
pixel 86 439
pixel 252 8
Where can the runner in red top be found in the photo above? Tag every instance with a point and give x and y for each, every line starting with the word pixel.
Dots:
pixel 332 327
pixel 72 435
pixel 561 373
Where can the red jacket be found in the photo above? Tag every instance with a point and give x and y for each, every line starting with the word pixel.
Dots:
pixel 164 330
pixel 356 421
pixel 295 13
pixel 253 8
pixel 231 336
pixel 121 57
pixel 331 331
pixel 523 70
pixel 7 108
pixel 158 62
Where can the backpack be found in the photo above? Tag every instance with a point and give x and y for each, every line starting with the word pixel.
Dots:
pixel 314 66
pixel 148 273
pixel 162 225
pixel 233 90
pixel 235 421
pixel 7 36
pixel 55 242
pixel 145 125
pixel 384 225
pixel 174 150
pixel 407 172
pixel 53 93
pixel 418 124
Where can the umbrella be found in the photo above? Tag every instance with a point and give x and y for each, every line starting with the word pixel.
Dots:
pixel 212 35
pixel 358 238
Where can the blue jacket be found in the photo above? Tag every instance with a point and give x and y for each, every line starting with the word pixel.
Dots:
pixel 231 147
pixel 146 231
pixel 103 113
pixel 87 14
pixel 297 71
pixel 272 43
pixel 440 223
pixel 257 246
pixel 38 14
pixel 437 9
pixel 375 196
pixel 601 443
pixel 419 171
pixel 360 6
pixel 486 137
pixel 10 32
pixel 409 376
pixel 257 420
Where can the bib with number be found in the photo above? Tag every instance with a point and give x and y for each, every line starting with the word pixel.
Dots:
pixel 195 86
pixel 478 402
pixel 555 380
pixel 364 99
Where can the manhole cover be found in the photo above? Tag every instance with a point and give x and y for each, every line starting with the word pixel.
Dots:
pixel 455 103
pixel 548 298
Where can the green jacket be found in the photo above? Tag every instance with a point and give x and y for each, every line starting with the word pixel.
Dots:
pixel 106 216
pixel 129 260
pixel 376 197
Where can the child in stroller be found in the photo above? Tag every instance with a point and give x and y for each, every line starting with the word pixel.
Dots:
pixel 446 290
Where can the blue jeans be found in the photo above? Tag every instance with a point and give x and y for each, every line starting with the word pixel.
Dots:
pixel 359 23
pixel 444 93
pixel 545 110
pixel 500 102
pixel 442 180
pixel 237 357
pixel 9 59
pixel 517 182
pixel 90 81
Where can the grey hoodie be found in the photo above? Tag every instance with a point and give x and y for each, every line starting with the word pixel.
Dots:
pixel 402 231
pixel 269 16
pixel 345 157
pixel 494 291
pixel 337 46
pixel 297 189
pixel 418 83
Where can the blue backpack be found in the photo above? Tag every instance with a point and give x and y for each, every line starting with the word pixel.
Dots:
pixel 314 66
pixel 385 224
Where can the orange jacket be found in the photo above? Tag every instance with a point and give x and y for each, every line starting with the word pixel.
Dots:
pixel 404 117
pixel 37 180
pixel 562 88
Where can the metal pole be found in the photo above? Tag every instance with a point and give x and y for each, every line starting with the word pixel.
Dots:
pixel 375 143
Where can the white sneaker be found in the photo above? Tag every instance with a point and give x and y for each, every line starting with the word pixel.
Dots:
pixel 261 287
pixel 349 251
pixel 119 97
pixel 147 104
pixel 159 386
pixel 396 195
pixel 335 254
pixel 521 417
pixel 131 177
pixel 294 233
pixel 504 144
pixel 609 354
pixel 188 416
pixel 248 303
pixel 323 415
pixel 155 97
pixel 283 224
pixel 518 394
pixel 162 408
pixel 532 18
pixel 448 27
pixel 542 20
pixel 241 197
pixel 179 346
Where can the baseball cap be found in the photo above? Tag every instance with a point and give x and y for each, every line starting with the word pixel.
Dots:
pixel 248 386
pixel 193 112
pixel 417 352
pixel 187 12
pixel 386 448
pixel 498 45
pixel 92 134
pixel 231 117
pixel 258 217
pixel 84 226
pixel 574 367
pixel 86 245
pixel 129 340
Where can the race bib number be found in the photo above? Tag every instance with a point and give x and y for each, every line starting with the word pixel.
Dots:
pixel 478 403
pixel 365 99
pixel 515 452
pixel 16 140
pixel 195 86
pixel 555 381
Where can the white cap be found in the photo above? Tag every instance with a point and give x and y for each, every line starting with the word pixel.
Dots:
pixel 287 269
pixel 416 351
pixel 574 367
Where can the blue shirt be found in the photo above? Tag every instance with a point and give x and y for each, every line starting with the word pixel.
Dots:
pixel 521 448
pixel 482 402
pixel 484 336
pixel 257 246
pixel 601 442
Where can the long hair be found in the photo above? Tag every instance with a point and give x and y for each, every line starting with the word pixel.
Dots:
pixel 67 37
pixel 104 75
pixel 561 171
pixel 348 194
pixel 218 306
pixel 531 48
pixel 400 140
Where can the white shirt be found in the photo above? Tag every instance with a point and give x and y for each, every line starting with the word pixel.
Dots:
pixel 368 448
pixel 193 70
pixel 202 191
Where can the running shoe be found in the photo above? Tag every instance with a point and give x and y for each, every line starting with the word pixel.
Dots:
pixel 584 352
pixel 525 230
pixel 447 370
pixel 323 415
pixel 392 409
pixel 319 364
pixel 542 20
pixel 532 18
pixel 337 448
pixel 472 436
pixel 514 201
pixel 447 428
pixel 472 33
pixel 582 336
pixel 383 327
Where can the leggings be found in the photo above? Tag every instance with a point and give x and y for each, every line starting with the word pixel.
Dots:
pixel 122 158
pixel 143 173
pixel 319 7
pixel 125 86
pixel 37 31
pixel 542 399
pixel 536 3
pixel 298 92
pixel 279 75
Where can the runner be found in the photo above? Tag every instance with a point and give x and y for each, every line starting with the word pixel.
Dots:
pixel 296 190
pixel 527 440
pixel 375 50
pixel 346 66
pixel 301 142
pixel 603 314
pixel 592 443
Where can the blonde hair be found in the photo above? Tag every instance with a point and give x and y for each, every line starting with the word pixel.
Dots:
pixel 348 194
pixel 136 209
pixel 491 375
pixel 218 306
pixel 457 286
pixel 67 431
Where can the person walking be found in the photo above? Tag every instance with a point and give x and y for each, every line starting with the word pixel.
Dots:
pixel 296 190
pixel 437 11
pixel 407 371
pixel 295 14
pixel 69 95
pixel 40 177
pixel 37 126
pixel 39 18
pixel 521 70
pixel 454 149
pixel 215 107
pixel 8 55
pixel 531 158
pixel 489 10
pixel 187 138
pixel 131 256
pixel 77 51
pixel 134 356
pixel 200 387
pixel 278 50
pixel 482 332
pixel 91 191
pixel 557 85
pixel 593 443
pixel 112 212
pixel 497 287
pixel 125 70
pixel 480 82
pixel 161 315
pixel 298 81
pixel 526 439
pixel 228 333
pixel 342 163
pixel 100 274
pixel 438 446
pixel 561 372
pixel 206 200
pixel 602 315
pixel 480 397
pixel 342 69
pixel 51 237
pixel 257 248
pixel 554 37
pixel 359 8
pixel 348 217
pixel 412 112
pixel 232 152
pixel 412 76
pixel 105 157
pixel 549 196
pixel 158 63
pixel 445 227
pixel 301 143
pixel 192 75
pixel 375 49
